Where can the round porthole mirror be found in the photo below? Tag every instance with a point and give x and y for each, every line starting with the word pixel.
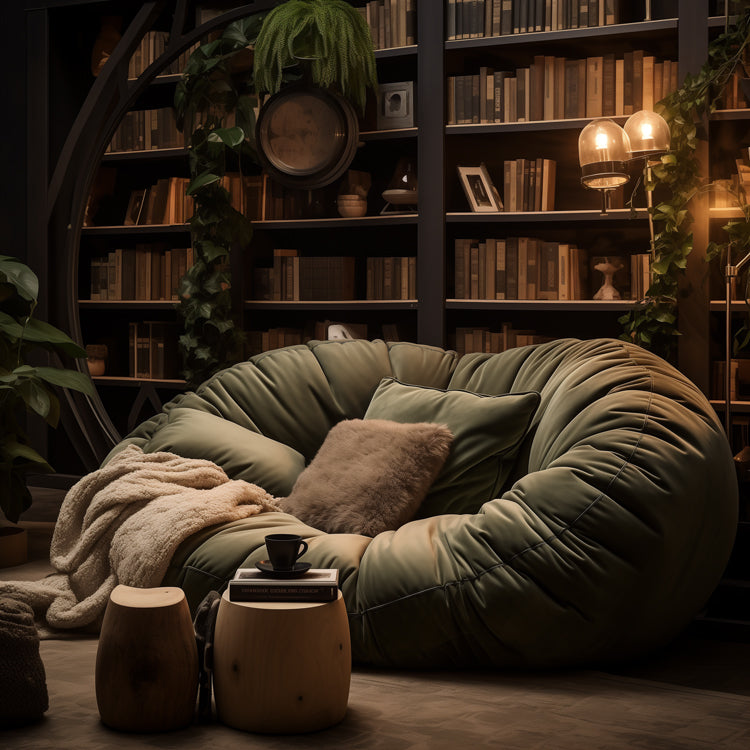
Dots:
pixel 306 137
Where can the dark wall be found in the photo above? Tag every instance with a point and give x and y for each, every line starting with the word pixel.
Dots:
pixel 13 129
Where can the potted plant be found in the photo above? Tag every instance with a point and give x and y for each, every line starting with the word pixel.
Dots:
pixel 24 386
pixel 330 36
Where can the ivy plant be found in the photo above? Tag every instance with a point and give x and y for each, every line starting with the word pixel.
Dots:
pixel 653 322
pixel 216 87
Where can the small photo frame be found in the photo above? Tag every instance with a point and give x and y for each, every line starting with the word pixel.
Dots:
pixel 480 190
pixel 396 105
pixel 134 212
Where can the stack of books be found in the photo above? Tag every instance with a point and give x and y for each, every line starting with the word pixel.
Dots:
pixel 315 585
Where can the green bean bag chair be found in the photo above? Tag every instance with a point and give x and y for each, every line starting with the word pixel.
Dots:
pixel 584 513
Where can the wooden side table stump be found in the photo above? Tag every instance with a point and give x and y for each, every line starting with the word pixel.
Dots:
pixel 147 661
pixel 281 667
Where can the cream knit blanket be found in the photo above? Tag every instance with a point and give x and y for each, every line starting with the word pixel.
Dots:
pixel 122 524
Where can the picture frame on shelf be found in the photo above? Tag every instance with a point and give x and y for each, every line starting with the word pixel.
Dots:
pixel 480 191
pixel 395 105
pixel 133 213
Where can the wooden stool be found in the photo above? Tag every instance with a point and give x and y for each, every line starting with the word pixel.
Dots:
pixel 147 661
pixel 281 667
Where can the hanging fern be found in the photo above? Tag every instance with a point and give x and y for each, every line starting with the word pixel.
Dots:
pixel 331 36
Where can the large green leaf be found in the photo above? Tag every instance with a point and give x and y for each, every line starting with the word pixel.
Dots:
pixel 35 395
pixel 42 333
pixel 11 450
pixel 72 379
pixel 207 178
pixel 231 137
pixel 20 276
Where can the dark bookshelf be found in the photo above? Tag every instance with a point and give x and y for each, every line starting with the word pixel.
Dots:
pixel 61 34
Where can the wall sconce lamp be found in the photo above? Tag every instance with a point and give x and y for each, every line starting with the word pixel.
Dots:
pixel 605 151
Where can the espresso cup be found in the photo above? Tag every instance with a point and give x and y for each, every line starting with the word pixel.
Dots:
pixel 284 550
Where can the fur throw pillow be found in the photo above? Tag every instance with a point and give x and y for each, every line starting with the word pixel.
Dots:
pixel 369 477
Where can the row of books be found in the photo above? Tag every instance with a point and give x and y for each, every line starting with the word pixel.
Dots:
pixel 154 44
pixel 484 340
pixel 726 193
pixel 167 202
pixel 147 129
pixel 733 96
pixel 152 350
pixel 558 88
pixel 469 19
pixel 393 23
pixel 164 202
pixel 535 269
pixel 145 272
pixel 391 277
pixel 529 184
pixel 305 278
pixel 519 268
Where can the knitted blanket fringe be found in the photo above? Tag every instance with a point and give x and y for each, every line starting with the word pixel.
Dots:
pixel 122 524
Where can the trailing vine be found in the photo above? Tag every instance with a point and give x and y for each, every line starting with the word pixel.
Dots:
pixel 652 323
pixel 215 84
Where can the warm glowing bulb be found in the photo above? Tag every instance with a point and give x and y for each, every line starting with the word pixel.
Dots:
pixel 647 130
pixel 601 140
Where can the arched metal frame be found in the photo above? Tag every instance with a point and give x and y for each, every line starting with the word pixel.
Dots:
pixel 111 96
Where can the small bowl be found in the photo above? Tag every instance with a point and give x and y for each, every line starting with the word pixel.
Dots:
pixel 350 210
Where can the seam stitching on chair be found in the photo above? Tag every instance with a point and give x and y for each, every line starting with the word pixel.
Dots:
pixel 547 540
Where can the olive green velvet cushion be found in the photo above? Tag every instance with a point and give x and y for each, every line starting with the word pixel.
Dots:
pixel 487 432
pixel 369 476
pixel 242 453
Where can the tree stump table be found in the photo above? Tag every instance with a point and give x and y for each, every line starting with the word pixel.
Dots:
pixel 281 667
pixel 147 661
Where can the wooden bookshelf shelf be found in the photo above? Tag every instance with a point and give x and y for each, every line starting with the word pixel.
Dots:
pixel 333 305
pixel 640 30
pixel 721 214
pixel 521 127
pixel 128 304
pixel 123 381
pixel 730 114
pixel 136 229
pixel 145 155
pixel 387 220
pixel 739 407
pixel 736 306
pixel 528 217
pixel 391 52
pixel 387 135
pixel 584 305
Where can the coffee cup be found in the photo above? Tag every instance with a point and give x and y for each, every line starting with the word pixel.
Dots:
pixel 284 550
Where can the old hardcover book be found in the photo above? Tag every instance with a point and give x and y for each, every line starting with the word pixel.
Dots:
pixel 608 85
pixel 499 269
pixel 316 585
pixel 594 81
pixel 548 271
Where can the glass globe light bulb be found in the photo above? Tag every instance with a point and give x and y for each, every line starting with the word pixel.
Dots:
pixel 603 150
pixel 649 134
